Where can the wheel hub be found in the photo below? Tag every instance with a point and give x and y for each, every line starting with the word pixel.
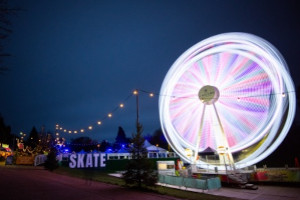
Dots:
pixel 208 94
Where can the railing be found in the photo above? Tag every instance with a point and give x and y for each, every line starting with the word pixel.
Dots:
pixel 204 184
pixel 221 168
pixel 39 159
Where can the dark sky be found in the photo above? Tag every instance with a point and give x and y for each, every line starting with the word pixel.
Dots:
pixel 74 61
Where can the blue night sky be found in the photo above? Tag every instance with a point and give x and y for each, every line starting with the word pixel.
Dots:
pixel 74 61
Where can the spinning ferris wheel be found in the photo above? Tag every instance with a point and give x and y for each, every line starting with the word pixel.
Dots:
pixel 231 93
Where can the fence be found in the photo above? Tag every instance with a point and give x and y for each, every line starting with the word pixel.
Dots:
pixel 279 175
pixel 204 184
pixel 39 159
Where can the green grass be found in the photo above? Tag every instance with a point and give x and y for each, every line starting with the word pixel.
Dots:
pixel 92 174
pixel 102 176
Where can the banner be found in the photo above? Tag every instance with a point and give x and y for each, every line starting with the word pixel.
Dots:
pixel 25 160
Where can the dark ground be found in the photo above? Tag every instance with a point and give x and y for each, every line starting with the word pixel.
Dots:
pixel 35 183
pixel 29 183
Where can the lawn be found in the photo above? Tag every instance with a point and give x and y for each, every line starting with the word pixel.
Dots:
pixel 102 176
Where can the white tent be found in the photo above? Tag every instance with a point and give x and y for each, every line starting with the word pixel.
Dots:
pixel 155 151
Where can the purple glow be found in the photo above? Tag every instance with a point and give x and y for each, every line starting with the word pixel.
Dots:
pixel 235 76
pixel 249 76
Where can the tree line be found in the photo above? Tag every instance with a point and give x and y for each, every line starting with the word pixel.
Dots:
pixel 121 141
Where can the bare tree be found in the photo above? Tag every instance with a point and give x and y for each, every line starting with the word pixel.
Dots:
pixel 5 30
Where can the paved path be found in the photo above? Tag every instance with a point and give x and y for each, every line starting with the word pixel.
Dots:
pixel 263 192
pixel 38 184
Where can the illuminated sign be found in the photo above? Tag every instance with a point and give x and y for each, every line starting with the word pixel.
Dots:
pixel 87 160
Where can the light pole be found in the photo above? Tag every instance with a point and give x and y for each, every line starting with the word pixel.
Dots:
pixel 136 93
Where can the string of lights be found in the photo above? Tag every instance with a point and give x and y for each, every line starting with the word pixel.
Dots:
pixel 60 129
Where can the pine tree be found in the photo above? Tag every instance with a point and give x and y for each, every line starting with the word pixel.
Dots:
pixel 139 170
pixel 33 139
pixel 104 145
pixel 159 139
pixel 51 163
pixel 121 139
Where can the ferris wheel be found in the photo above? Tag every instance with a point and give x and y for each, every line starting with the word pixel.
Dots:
pixel 231 93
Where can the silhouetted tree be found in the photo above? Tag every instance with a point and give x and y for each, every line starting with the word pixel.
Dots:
pixel 51 163
pixel 286 152
pixel 83 143
pixel 104 146
pixel 5 133
pixel 139 169
pixel 158 138
pixel 47 141
pixel 121 139
pixel 5 31
pixel 33 139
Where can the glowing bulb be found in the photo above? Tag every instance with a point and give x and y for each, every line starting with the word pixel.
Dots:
pixel 60 128
pixel 135 92
pixel 90 127
pixel 82 130
pixel 70 131
pixel 151 95
pixel 99 122
pixel 75 131
pixel 121 105
pixel 65 130
pixel 109 115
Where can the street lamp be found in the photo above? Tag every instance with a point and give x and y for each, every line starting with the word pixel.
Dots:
pixel 136 93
